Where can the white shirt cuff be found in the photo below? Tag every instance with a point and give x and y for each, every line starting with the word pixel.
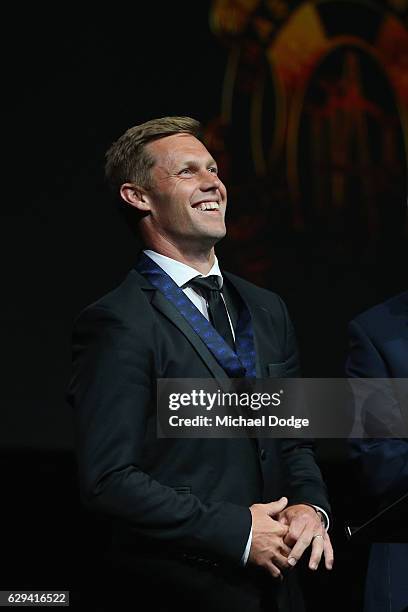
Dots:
pixel 244 558
pixel 325 516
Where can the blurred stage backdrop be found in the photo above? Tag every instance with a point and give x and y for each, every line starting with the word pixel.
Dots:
pixel 312 133
pixel 305 107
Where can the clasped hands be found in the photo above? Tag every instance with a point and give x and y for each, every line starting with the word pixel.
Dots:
pixel 281 534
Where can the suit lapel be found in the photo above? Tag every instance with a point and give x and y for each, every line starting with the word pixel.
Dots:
pixel 232 302
pixel 158 301
pixel 171 313
pixel 259 317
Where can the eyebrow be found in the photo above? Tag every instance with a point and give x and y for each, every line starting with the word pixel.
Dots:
pixel 194 162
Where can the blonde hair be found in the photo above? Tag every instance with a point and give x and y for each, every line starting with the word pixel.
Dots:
pixel 127 159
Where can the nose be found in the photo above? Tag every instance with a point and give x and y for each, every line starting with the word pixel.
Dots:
pixel 210 181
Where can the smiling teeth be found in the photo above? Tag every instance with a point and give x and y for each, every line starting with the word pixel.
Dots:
pixel 208 206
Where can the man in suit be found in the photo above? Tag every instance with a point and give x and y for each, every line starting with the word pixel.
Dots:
pixel 379 349
pixel 200 522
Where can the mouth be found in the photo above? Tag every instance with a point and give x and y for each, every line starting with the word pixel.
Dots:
pixel 207 207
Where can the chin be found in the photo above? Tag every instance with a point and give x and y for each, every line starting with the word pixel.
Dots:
pixel 216 236
pixel 209 239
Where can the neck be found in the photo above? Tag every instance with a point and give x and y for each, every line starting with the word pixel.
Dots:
pixel 201 260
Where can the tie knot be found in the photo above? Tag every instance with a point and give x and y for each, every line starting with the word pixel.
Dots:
pixel 209 283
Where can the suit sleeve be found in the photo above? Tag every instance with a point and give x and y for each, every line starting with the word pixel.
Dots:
pixel 381 464
pixel 112 394
pixel 302 479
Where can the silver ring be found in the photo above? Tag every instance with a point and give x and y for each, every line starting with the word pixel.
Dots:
pixel 317 535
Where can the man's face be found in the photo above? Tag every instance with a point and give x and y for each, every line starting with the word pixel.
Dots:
pixel 187 198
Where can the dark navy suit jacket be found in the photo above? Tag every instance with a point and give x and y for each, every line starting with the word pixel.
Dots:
pixel 180 507
pixel 379 349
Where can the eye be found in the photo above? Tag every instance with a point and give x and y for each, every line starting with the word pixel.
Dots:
pixel 185 171
pixel 213 170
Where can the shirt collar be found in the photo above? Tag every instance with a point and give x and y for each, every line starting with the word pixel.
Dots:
pixel 179 272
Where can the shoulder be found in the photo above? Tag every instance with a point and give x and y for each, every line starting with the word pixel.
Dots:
pixel 127 302
pixel 382 315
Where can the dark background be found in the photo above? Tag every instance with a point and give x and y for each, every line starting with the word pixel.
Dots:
pixel 72 83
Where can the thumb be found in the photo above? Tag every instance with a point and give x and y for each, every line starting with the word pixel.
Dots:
pixel 275 507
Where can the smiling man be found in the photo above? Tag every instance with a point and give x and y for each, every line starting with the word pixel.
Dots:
pixel 184 199
pixel 197 523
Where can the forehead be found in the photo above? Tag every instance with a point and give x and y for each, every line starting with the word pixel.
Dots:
pixel 177 148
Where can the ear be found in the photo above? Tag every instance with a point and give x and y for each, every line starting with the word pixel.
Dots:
pixel 135 196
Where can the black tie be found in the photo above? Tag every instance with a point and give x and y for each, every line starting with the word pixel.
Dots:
pixel 217 311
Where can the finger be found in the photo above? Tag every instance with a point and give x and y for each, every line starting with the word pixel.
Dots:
pixel 299 548
pixel 282 519
pixel 275 507
pixel 280 560
pixel 273 570
pixel 302 527
pixel 279 529
pixel 328 553
pixel 290 540
pixel 317 551
pixel 285 550
pixel 297 532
